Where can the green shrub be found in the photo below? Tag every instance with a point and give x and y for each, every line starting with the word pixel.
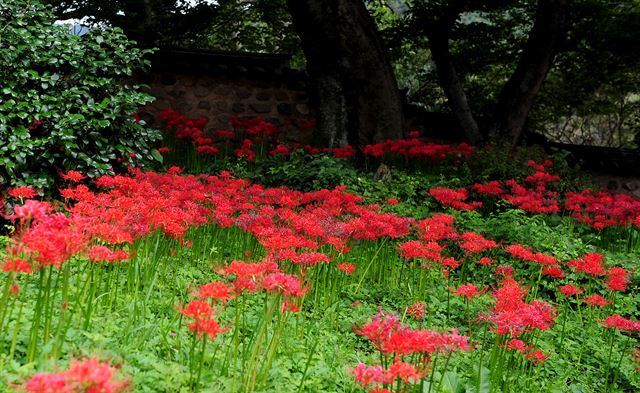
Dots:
pixel 64 100
pixel 300 171
pixel 499 163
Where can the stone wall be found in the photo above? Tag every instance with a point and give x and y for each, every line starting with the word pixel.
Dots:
pixel 218 85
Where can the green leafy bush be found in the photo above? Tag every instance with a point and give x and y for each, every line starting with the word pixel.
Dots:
pixel 300 171
pixel 499 163
pixel 64 100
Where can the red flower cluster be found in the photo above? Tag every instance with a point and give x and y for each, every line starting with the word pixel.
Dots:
pixel 616 321
pixel 524 254
pixel 453 198
pixel 618 279
pixel 591 264
pixel 390 336
pixel 538 200
pixel 468 290
pixel 89 376
pixel 570 290
pixel 416 149
pixel 73 176
pixel 492 188
pixel 393 339
pixel 475 243
pixel 22 192
pixel 203 318
pixel 602 210
pixel 534 355
pixel 513 316
pixel 596 301
pixel 417 310
pixel 378 375
pixel 541 178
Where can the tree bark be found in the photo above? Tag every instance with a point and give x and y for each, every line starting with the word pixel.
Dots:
pixel 452 85
pixel 356 90
pixel 517 96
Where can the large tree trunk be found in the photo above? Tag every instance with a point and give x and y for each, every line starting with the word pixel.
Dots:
pixel 356 90
pixel 452 85
pixel 517 97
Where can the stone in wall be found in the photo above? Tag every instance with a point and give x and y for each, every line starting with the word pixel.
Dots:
pixel 217 86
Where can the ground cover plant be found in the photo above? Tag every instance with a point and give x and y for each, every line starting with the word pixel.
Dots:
pixel 418 274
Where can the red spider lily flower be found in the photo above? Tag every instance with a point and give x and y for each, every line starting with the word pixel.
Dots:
pixel 369 375
pixel 17 265
pixel 392 202
pixel 31 210
pixel 94 376
pixel 591 264
pixel 417 310
pixel 52 240
pixel 207 150
pixel 517 345
pixel 48 383
pixel 343 152
pixel 90 376
pixel 73 176
pixel 100 253
pixel 570 290
pixel 198 309
pixel 203 141
pixel 509 295
pixel 453 198
pixel 224 134
pixel 22 192
pixel 524 254
pixel 389 336
pixel 163 150
pixel 310 259
pixel 404 371
pixel 485 261
pixel 618 279
pixel 215 290
pixel 468 290
pixel 616 321
pixel 287 284
pixel 347 268
pixel 535 201
pixel 596 300
pixel 513 316
pixel 208 326
pixel 475 243
pixel 491 188
pixel 244 269
pixel 553 271
pixel 14 289
pixel 280 150
pixel 505 270
pixel 381 327
pixel 375 150
pixel 450 263
pixel 602 210
pixel 406 341
pixel 437 227
pixel 289 306
pixel 537 356
pixel 417 249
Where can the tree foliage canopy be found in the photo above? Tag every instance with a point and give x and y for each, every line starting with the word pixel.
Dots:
pixel 593 68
